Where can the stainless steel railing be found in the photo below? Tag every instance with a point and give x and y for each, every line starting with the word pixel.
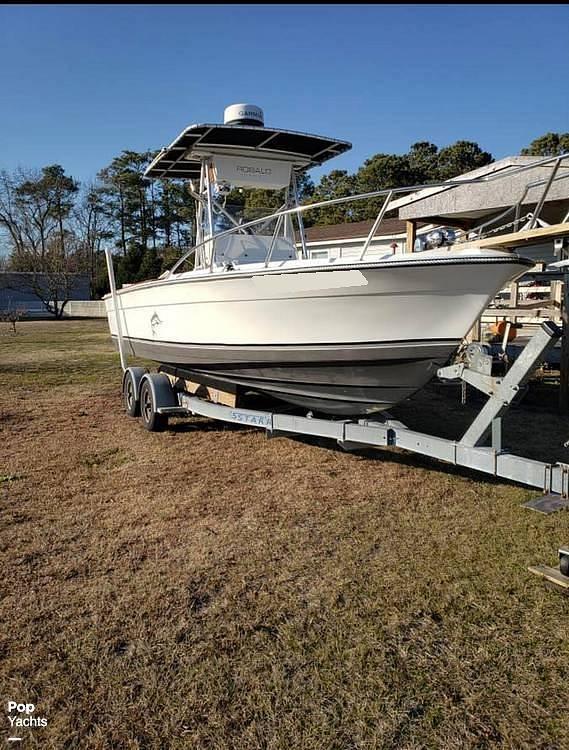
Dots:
pixel 388 193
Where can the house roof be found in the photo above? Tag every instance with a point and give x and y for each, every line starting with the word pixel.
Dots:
pixel 355 230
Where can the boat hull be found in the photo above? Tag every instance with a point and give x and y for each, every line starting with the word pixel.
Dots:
pixel 339 343
pixel 342 380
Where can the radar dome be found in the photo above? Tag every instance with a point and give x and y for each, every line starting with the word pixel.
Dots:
pixel 243 114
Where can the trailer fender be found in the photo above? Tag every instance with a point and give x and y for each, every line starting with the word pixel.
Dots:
pixel 162 392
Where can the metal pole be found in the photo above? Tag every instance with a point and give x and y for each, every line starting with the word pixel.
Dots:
pixel 539 206
pixel 261 227
pixel 299 217
pixel 199 220
pixel 273 240
pixel 376 223
pixel 288 230
pixel 517 214
pixel 564 362
pixel 209 214
pixel 115 298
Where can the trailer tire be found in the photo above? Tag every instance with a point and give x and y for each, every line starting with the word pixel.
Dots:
pixel 152 420
pixel 130 391
pixel 564 565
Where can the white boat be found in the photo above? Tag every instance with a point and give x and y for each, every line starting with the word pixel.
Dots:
pixel 346 336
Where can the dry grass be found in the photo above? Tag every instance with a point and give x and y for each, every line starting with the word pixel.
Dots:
pixel 209 588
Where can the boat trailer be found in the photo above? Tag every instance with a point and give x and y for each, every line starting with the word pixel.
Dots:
pixel 156 396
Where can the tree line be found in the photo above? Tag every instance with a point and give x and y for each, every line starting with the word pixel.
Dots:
pixel 52 227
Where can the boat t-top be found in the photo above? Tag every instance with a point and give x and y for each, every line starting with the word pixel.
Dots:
pixel 248 308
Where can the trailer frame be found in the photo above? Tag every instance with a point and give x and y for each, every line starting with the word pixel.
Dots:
pixel 165 398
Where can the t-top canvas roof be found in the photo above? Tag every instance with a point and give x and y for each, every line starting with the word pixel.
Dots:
pixel 181 158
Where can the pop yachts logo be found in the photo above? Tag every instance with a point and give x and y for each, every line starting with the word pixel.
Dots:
pixel 24 716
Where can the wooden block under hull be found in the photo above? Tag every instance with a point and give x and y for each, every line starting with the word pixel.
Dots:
pixel 215 395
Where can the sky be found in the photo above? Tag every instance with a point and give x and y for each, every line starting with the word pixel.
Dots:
pixel 80 83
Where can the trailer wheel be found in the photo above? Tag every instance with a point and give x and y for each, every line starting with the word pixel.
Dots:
pixel 564 565
pixel 130 401
pixel 131 380
pixel 151 419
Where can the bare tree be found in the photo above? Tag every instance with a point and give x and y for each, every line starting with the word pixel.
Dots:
pixel 12 315
pixel 91 223
pixel 46 253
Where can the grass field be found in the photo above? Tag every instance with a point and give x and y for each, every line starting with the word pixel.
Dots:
pixel 209 588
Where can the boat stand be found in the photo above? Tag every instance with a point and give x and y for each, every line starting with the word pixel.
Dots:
pixel 159 395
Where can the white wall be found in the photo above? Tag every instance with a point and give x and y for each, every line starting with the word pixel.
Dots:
pixel 85 309
pixel 353 247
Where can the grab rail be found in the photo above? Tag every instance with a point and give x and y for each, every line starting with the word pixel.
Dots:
pixel 389 192
pixel 376 224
